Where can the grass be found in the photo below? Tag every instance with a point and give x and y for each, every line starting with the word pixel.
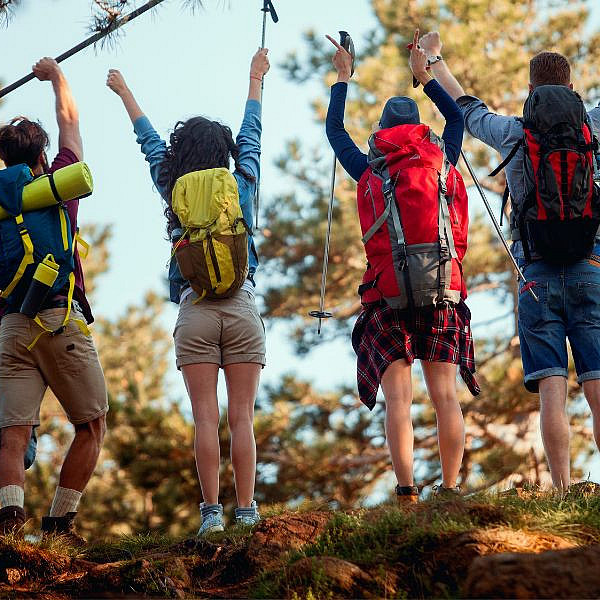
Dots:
pixel 393 552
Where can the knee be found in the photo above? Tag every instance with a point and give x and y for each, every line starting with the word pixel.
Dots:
pixel 15 439
pixel 240 419
pixel 93 432
pixel 396 402
pixel 444 400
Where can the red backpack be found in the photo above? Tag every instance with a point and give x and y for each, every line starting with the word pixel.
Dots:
pixel 413 210
pixel 560 215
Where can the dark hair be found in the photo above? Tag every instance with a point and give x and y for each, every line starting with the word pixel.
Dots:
pixel 21 142
pixel 195 145
pixel 549 68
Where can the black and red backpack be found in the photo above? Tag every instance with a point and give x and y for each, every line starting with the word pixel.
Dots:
pixel 560 214
pixel 413 210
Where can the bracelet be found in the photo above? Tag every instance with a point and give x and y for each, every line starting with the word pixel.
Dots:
pixel 257 78
pixel 431 60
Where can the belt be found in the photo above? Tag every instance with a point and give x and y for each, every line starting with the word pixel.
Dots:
pixel 60 303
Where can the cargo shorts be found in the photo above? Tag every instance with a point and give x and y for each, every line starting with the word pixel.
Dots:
pixel 67 363
pixel 222 332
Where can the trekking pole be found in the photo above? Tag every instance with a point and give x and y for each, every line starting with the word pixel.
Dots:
pixel 347 43
pixel 497 226
pixel 87 42
pixel 267 8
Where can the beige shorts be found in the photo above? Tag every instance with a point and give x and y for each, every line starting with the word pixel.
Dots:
pixel 222 332
pixel 67 363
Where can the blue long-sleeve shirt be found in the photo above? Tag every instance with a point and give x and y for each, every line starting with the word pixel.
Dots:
pixel 355 162
pixel 154 149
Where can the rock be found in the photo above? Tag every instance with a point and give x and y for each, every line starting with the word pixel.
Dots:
pixel 571 573
pixel 339 576
pixel 276 535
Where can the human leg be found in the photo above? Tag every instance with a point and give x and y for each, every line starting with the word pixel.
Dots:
pixel 440 378
pixel 397 389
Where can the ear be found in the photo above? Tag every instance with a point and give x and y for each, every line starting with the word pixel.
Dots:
pixel 530 88
pixel 570 86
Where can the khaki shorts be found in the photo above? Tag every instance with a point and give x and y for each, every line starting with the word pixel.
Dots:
pixel 67 363
pixel 222 332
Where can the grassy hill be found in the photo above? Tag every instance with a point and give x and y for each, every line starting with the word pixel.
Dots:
pixel 519 544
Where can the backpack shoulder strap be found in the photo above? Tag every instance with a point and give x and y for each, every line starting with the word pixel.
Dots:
pixel 510 156
pixel 25 261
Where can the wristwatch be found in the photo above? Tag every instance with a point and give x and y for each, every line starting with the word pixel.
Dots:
pixel 431 60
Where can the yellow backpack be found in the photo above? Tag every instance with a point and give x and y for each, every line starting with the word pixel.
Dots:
pixel 212 254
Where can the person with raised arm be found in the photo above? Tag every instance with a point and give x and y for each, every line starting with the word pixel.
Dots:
pixel 209 213
pixel 413 209
pixel 30 359
pixel 554 230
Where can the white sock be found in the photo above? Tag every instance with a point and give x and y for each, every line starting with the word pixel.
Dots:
pixel 65 501
pixel 12 495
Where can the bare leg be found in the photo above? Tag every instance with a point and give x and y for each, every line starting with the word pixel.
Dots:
pixel 242 385
pixel 591 389
pixel 440 378
pixel 13 445
pixel 555 428
pixel 81 459
pixel 397 389
pixel 201 383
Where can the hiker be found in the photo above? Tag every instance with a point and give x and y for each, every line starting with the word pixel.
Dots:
pixel 62 356
pixel 218 325
pixel 554 234
pixel 401 181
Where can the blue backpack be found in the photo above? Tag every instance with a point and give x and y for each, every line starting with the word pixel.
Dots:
pixel 27 238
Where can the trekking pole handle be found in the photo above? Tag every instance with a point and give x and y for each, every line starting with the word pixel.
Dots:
pixel 347 43
pixel 497 226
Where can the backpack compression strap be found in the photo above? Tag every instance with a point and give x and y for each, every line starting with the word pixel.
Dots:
pixel 27 256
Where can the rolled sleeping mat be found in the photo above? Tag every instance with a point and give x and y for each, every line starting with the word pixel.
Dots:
pixel 68 183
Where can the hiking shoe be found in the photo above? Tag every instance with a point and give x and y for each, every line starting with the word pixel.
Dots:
pixel 64 527
pixel 451 493
pixel 247 516
pixel 12 520
pixel 212 519
pixel 407 494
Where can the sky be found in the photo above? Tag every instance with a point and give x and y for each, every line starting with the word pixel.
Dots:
pixel 178 65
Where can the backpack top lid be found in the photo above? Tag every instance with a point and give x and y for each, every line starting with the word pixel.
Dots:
pixel 550 105
pixel 12 181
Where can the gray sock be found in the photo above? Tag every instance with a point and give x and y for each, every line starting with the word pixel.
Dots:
pixel 252 511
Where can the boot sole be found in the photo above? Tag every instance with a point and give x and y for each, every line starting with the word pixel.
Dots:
pixel 213 529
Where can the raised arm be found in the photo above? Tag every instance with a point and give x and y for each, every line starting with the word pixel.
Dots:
pixel 67 116
pixel 248 139
pixel 498 131
pixel 347 152
pixel 431 44
pixel 153 147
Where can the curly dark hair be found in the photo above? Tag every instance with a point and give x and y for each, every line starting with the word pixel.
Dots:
pixel 195 145
pixel 22 142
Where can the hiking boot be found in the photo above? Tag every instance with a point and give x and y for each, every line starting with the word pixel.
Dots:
pixel 247 516
pixel 407 494
pixel 444 493
pixel 63 527
pixel 212 519
pixel 12 520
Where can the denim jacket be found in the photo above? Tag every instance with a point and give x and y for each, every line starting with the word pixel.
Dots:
pixel 154 149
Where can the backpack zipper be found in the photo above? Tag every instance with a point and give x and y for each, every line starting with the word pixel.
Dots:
pixel 372 200
pixel 451 203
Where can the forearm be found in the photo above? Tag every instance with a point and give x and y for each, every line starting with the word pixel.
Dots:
pixel 255 88
pixel 445 78
pixel 66 108
pixel 131 106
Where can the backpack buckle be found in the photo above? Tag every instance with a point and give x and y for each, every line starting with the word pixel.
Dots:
pixel 58 331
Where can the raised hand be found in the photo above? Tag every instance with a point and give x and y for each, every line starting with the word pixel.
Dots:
pixel 116 82
pixel 418 61
pixel 342 61
pixel 260 65
pixel 431 43
pixel 46 69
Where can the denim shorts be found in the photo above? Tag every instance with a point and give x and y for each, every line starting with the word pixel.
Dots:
pixel 568 307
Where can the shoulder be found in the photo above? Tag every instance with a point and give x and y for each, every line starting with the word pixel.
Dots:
pixel 64 158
